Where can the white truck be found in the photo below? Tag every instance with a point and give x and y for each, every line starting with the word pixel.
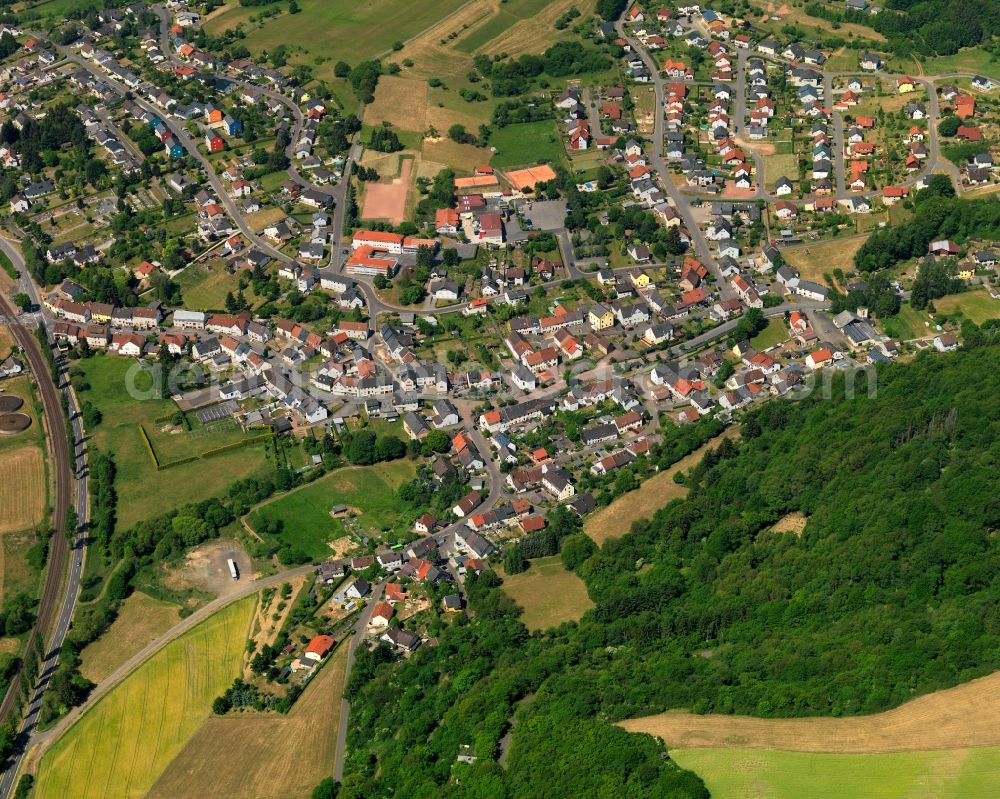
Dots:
pixel 233 569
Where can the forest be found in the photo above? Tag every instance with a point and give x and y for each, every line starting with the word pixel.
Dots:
pixel 890 592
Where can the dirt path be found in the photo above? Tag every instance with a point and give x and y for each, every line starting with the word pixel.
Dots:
pixel 965 716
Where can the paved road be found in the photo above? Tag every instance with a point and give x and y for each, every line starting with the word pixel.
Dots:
pixel 53 616
pixel 360 628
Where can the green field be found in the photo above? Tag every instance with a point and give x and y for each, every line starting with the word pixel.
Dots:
pixel 908 324
pixel 119 747
pixel 205 289
pixel 974 60
pixel 341 30
pixel 767 774
pixel 774 333
pixel 548 594
pixel 527 143
pixel 142 490
pixel 976 306
pixel 368 490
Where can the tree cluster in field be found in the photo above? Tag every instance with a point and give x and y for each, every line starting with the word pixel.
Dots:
pixel 515 76
pixel 937 214
pixel 702 607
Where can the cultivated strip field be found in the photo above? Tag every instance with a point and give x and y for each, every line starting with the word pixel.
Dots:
pixel 22 488
pixel 616 519
pixel 119 748
pixel 763 774
pixel 265 756
pixel 965 716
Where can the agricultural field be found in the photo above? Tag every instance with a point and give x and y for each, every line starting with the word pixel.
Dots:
pixel 267 756
pixel 139 485
pixel 122 745
pixel 548 593
pixel 141 619
pixel 766 774
pixel 22 492
pixel 812 260
pixel 974 60
pixel 976 305
pixel 616 519
pixel 340 30
pixel 527 143
pixel 505 17
pixel 368 492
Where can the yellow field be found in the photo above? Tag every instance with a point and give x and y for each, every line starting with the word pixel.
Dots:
pixel 812 260
pixel 6 339
pixel 535 34
pixel 22 488
pixel 793 522
pixel 965 716
pixel 548 593
pixel 140 620
pixel 400 101
pixel 616 519
pixel 119 748
pixel 265 756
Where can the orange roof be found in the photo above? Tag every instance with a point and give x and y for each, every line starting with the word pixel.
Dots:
pixel 321 645
pixel 383 610
pixel 394 592
pixel 445 216
pixel 492 417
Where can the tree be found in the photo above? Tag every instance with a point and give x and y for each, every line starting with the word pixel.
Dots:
pixel 293 7
pixel 22 301
pixel 437 441
pixel 948 126
pixel 341 69
pixel 513 561
pixel 457 133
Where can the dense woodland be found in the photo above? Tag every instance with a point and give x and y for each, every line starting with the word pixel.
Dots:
pixel 890 592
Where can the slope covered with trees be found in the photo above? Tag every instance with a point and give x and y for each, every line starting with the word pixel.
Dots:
pixel 890 592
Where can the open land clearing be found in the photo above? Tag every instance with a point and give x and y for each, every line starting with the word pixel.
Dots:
pixel 120 747
pixel 140 486
pixel 976 305
pixel 614 520
pixel 812 260
pixel 765 774
pixel 548 593
pixel 141 619
pixel 388 200
pixel 206 569
pixel 266 756
pixel 305 512
pixel 773 334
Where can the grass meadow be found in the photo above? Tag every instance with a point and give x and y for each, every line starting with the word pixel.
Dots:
pixel 527 143
pixel 119 747
pixel 142 490
pixel 976 305
pixel 369 491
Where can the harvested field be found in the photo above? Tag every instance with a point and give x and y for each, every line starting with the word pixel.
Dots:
pixel 965 716
pixel 388 200
pixel 266 756
pixel 532 34
pixel 548 593
pixel 120 747
pixel 141 619
pixel 22 493
pixel 616 519
pixel 401 102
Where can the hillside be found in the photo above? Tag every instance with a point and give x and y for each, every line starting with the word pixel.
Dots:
pixel 889 593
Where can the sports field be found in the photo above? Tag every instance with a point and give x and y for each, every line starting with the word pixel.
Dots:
pixel 119 748
pixel 616 519
pixel 142 490
pixel 369 491
pixel 342 30
pixel 764 774
pixel 141 619
pixel 265 756
pixel 387 201
pixel 548 593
